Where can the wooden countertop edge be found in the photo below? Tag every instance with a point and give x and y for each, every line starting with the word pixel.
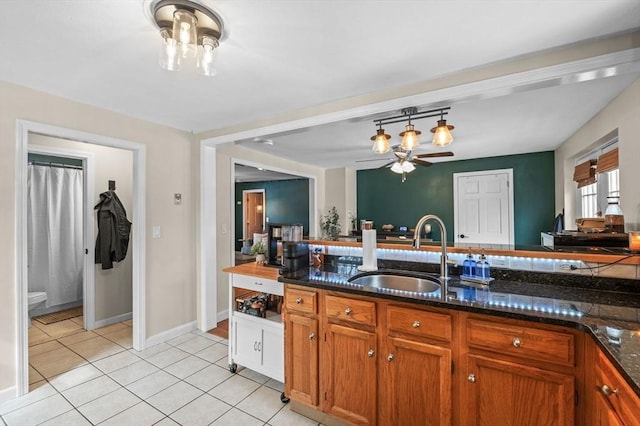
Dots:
pixel 254 270
pixel 586 257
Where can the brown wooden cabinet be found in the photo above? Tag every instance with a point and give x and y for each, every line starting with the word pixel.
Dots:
pixel 301 346
pixel 615 400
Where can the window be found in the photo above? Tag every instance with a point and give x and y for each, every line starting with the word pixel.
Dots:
pixel 592 196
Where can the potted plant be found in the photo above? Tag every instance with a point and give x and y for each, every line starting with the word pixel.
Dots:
pixel 259 250
pixel 330 224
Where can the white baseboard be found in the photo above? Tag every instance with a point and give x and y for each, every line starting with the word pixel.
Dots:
pixel 222 315
pixel 161 337
pixel 8 394
pixel 113 320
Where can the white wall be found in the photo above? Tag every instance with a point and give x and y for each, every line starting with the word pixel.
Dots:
pixel 113 291
pixel 170 262
pixel 623 114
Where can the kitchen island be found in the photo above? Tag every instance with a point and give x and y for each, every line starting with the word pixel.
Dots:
pixel 517 331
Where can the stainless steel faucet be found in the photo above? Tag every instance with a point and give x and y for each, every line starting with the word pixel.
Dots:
pixel 443 244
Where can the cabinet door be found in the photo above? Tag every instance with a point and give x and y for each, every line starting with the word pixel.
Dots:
pixel 511 394
pixel 605 415
pixel 350 379
pixel 273 351
pixel 302 359
pixel 247 343
pixel 421 373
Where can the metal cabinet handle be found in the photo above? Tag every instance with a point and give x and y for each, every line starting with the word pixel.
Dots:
pixel 312 336
pixel 416 324
pixel 472 378
pixel 606 390
pixel 371 353
pixel 299 300
pixel 257 283
pixel 255 344
pixel 462 236
pixel 516 342
pixel 347 311
pixel 390 357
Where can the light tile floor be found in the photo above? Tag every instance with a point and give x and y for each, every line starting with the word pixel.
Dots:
pixel 80 377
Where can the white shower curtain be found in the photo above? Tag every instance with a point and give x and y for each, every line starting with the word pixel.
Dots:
pixel 55 248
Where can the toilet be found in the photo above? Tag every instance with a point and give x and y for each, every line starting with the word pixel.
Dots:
pixel 35 299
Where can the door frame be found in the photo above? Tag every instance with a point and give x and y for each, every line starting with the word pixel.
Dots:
pixel 264 208
pixel 23 129
pixel 88 273
pixel 510 185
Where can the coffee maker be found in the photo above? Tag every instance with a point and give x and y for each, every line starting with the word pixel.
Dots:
pixel 284 241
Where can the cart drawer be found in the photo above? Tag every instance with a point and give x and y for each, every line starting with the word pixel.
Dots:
pixel 262 285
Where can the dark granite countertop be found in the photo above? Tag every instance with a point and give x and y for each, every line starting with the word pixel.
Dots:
pixel 588 309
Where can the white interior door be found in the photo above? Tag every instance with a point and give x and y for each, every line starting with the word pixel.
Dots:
pixel 483 207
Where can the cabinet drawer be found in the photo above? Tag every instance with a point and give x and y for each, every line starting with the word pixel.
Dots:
pixel 539 345
pixel 262 285
pixel 301 301
pixel 615 390
pixel 345 309
pixel 419 323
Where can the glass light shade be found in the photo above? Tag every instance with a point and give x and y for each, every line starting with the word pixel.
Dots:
pixel 410 138
pixel 396 167
pixel 408 167
pixel 170 58
pixel 442 134
pixel 380 142
pixel 207 56
pixel 185 32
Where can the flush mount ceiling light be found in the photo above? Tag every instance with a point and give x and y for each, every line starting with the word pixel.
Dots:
pixel 410 136
pixel 190 32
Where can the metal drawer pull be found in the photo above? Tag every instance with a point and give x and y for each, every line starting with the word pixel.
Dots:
pixel 416 324
pixel 312 336
pixel 347 311
pixel 516 342
pixel 257 283
pixel 371 352
pixel 390 357
pixel 472 378
pixel 299 300
pixel 606 390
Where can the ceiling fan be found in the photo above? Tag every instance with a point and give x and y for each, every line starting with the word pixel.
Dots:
pixel 404 162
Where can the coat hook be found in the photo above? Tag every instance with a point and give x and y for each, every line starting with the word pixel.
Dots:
pixel 112 185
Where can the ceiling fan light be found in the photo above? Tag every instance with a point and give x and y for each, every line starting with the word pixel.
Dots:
pixel 442 134
pixel 410 138
pixel 397 167
pixel 380 142
pixel 408 167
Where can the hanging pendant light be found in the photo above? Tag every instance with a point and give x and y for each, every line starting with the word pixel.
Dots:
pixel 410 138
pixel 442 133
pixel 380 141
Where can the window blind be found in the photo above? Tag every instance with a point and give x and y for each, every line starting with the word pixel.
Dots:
pixel 608 161
pixel 585 173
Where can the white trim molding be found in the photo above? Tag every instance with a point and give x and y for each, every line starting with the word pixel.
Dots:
pixel 163 336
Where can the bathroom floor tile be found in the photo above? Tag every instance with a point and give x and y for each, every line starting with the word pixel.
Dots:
pixel 37 336
pixel 57 361
pixel 123 337
pixel 77 337
pixel 79 320
pixel 44 347
pixel 59 329
pixel 128 322
pixel 96 348
pixel 34 376
pixel 110 328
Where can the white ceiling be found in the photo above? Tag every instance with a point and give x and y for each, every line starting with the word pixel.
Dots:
pixel 280 56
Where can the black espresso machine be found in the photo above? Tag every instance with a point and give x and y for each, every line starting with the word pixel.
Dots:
pixel 285 248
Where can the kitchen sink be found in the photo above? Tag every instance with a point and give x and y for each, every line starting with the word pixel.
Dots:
pixel 400 281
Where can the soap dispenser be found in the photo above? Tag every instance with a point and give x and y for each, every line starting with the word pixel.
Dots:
pixel 483 270
pixel 469 265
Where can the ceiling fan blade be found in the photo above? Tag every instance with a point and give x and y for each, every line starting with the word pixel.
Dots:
pixel 421 162
pixel 387 165
pixel 435 154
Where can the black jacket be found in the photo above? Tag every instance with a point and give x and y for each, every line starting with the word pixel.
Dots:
pixel 113 230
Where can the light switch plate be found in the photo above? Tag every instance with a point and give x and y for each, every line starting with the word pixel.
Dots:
pixel 157 232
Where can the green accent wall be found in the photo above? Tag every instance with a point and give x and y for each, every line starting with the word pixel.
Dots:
pixel 287 201
pixel 384 198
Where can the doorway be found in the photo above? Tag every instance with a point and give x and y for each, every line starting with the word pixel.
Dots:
pixel 24 129
pixel 483 207
pixel 253 212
